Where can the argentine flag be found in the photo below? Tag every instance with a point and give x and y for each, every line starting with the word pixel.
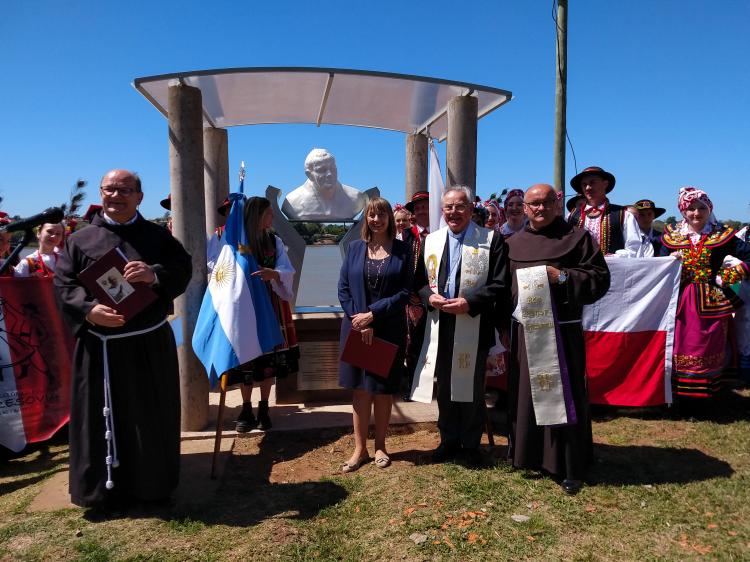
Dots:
pixel 236 322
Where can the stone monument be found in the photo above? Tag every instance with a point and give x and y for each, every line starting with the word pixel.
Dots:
pixel 323 197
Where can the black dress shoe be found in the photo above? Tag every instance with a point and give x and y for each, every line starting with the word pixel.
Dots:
pixel 444 453
pixel 472 457
pixel 571 487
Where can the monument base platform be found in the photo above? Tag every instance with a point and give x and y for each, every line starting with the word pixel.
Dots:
pixel 318 377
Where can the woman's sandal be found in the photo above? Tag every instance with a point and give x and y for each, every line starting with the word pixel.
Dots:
pixel 351 467
pixel 383 462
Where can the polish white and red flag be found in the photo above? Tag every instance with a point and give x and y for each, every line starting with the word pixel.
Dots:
pixel 35 362
pixel 629 333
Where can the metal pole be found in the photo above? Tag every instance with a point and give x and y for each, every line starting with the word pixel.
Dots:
pixel 189 227
pixel 461 150
pixel 561 85
pixel 416 164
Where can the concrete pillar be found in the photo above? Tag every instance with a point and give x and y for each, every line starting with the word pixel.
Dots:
pixel 189 227
pixel 416 164
pixel 215 175
pixel 461 149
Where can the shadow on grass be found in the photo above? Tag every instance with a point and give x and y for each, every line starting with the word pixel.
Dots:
pixel 34 458
pixel 246 496
pixel 643 464
pixel 44 474
pixel 728 406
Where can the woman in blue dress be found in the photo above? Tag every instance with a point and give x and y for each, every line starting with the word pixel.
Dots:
pixel 373 290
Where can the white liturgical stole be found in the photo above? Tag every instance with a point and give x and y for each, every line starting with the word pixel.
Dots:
pixel 535 313
pixel 475 266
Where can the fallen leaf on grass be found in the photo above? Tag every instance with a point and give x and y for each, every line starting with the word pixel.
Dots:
pixel 356 509
pixel 732 533
pixel 472 538
pixel 447 541
pixel 702 548
pixel 590 508
pixel 530 538
pixel 712 525
pixel 409 510
pixel 391 521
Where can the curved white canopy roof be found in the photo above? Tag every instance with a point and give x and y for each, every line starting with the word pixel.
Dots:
pixel 254 96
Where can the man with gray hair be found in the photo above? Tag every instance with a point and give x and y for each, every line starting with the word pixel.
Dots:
pixel 322 196
pixel 462 274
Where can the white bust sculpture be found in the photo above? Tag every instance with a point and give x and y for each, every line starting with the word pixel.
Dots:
pixel 322 196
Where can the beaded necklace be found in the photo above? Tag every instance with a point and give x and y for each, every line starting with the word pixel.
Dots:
pixel 378 267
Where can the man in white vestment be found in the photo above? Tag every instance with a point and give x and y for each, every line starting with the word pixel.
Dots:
pixel 462 274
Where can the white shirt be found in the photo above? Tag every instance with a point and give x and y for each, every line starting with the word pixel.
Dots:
pixel 646 249
pixel 49 260
pixel 631 232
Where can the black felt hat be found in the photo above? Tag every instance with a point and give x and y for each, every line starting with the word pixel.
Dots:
pixel 575 183
pixel 644 204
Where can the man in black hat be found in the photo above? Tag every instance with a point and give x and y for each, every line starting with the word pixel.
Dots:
pixel 611 226
pixel 419 207
pixel 645 213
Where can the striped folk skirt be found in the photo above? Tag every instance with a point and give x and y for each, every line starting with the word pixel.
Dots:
pixel 699 349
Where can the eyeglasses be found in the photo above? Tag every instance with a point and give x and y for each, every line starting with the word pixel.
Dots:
pixel 124 191
pixel 539 204
pixel 459 208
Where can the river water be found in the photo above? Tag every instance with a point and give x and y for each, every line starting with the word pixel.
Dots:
pixel 319 280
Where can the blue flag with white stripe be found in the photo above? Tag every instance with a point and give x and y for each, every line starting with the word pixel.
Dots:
pixel 236 322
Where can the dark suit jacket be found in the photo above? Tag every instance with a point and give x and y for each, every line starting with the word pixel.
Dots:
pixel 389 321
pixel 481 301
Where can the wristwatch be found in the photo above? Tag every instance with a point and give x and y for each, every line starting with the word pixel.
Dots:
pixel 562 277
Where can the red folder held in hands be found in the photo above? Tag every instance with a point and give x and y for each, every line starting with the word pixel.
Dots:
pixel 376 358
pixel 106 281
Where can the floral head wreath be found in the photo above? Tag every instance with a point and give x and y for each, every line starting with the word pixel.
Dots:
pixel 689 194
pixel 399 207
pixel 512 193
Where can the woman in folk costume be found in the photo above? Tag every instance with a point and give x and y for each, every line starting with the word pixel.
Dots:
pixel 495 215
pixel 373 290
pixel 277 273
pixel 402 218
pixel 704 308
pixel 42 262
pixel 515 218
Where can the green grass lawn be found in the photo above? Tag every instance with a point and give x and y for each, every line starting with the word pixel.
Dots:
pixel 660 489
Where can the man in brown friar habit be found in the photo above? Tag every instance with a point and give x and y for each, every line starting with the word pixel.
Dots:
pixel 463 273
pixel 556 268
pixel 125 412
pixel 611 226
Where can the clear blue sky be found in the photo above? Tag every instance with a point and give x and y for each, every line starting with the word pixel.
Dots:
pixel 658 92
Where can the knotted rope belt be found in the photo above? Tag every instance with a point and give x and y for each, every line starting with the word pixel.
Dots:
pixel 111 459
